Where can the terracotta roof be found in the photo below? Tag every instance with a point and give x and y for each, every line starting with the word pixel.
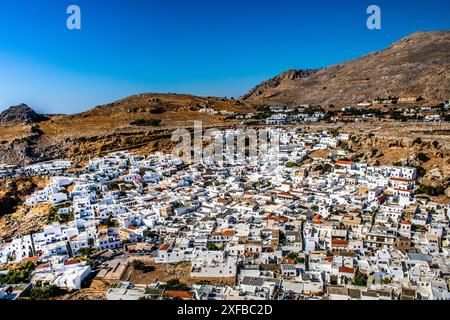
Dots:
pixel 341 162
pixel 399 179
pixel 228 233
pixel 225 233
pixel 285 194
pixel 164 246
pixel 71 262
pixel 276 218
pixel 32 259
pixel 339 242
pixel 347 270
pixel 180 294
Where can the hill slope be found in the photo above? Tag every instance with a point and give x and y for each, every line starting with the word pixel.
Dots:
pixel 144 120
pixel 418 64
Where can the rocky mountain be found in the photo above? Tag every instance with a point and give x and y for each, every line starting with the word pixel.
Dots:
pixel 20 114
pixel 139 121
pixel 416 65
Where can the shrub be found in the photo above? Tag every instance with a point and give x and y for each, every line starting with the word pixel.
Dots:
pixel 45 292
pixel 212 247
pixel 86 251
pixel 421 171
pixel 8 204
pixel 176 285
pixel 431 191
pixel 158 110
pixel 417 141
pixel 146 122
pixel 293 164
pixel 360 280
pixel 148 233
pixel 422 157
pixel 110 223
pixel 138 265
pixel 19 275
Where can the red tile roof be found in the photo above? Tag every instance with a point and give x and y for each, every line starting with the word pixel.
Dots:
pixel 341 162
pixel 347 270
pixel 180 294
pixel 71 262
pixel 399 179
pixel 164 246
pixel 339 242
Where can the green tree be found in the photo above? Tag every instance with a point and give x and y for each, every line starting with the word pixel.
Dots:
pixel 138 265
pixel 86 252
pixel 212 247
pixel 360 279
pixel 176 285
pixel 44 292
pixel 19 275
pixel 430 190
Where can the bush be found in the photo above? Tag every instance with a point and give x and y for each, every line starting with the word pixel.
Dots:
pixel 360 280
pixel 45 292
pixel 19 275
pixel 138 265
pixel 212 247
pixel 8 204
pixel 176 285
pixel 422 157
pixel 293 164
pixel 110 223
pixel 146 122
pixel 87 252
pixel 158 110
pixel 431 191
pixel 420 172
pixel 54 216
pixel 148 233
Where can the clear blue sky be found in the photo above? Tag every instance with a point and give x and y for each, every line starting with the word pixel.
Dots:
pixel 203 47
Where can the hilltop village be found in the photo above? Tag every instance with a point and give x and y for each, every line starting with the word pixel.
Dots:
pixel 302 227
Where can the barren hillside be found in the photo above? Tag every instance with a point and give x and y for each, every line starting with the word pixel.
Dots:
pixel 133 122
pixel 418 64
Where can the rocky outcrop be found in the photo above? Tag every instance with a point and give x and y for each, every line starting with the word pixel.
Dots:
pixel 20 114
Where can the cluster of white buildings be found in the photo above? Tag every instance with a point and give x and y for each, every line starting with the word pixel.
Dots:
pixel 324 228
pixel 49 168
pixel 284 118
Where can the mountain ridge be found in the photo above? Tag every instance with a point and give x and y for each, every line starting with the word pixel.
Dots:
pixel 416 64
